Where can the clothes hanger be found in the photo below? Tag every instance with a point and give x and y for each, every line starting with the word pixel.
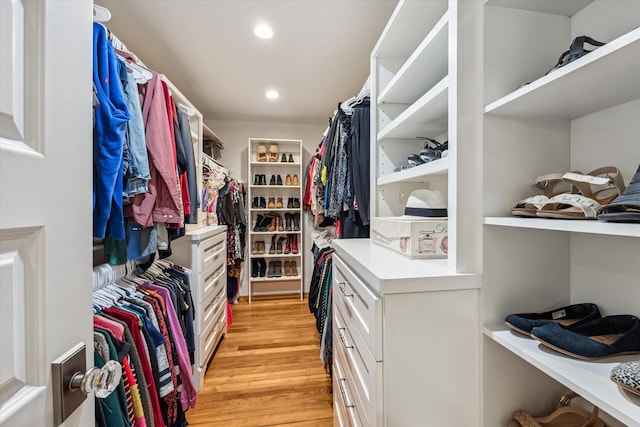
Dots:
pixel 101 14
pixel 141 74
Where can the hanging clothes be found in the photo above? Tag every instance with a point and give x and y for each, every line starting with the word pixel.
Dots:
pixel 111 117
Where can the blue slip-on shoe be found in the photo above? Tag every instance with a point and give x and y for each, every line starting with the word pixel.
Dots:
pixel 597 339
pixel 569 316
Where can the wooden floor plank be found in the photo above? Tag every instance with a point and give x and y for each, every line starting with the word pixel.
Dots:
pixel 267 371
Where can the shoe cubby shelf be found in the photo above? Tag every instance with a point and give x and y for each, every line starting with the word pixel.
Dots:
pixel 424 68
pixel 298 255
pixel 589 379
pixel 277 164
pixel 276 209
pixel 606 77
pixel 273 186
pixel 579 117
pixel 274 232
pixel 424 173
pixel 275 193
pixel 590 227
pixel 276 279
pixel 425 117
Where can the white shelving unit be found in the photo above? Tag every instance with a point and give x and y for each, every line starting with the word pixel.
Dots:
pixel 424 83
pixel 579 117
pixel 266 283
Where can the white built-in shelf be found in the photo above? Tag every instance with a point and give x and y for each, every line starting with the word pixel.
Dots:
pixel 574 226
pixel 590 379
pixel 427 172
pixel 274 232
pixel 424 68
pixel 283 255
pixel 388 272
pixel 278 163
pixel 562 8
pixel 206 131
pixel 274 186
pixel 606 77
pixel 275 279
pixel 425 117
pixel 276 209
pixel 407 27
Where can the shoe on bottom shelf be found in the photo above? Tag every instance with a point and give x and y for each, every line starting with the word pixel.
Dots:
pixel 627 376
pixel 571 315
pixel 604 337
pixel 564 415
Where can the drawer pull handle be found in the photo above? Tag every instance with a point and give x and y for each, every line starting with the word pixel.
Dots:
pixel 344 394
pixel 220 322
pixel 341 286
pixel 343 339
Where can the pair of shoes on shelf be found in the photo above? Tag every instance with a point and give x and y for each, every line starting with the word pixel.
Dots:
pixel 275 269
pixel 291 180
pixel 263 222
pixel 580 331
pixel 274 203
pixel 563 416
pixel 433 150
pixel 283 159
pixel 275 180
pixel 572 195
pixel 291 244
pixel 276 245
pixel 258 247
pixel 290 268
pixel 293 203
pixel 258 267
pixel 292 222
pixel 259 203
pixel 259 179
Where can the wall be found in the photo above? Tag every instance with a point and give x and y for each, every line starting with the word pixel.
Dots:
pixel 235 136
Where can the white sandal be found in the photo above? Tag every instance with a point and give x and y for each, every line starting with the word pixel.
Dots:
pixel 549 184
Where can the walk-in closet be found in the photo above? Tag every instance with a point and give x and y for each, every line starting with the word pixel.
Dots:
pixel 345 213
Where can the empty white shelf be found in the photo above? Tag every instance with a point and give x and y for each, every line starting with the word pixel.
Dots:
pixel 575 226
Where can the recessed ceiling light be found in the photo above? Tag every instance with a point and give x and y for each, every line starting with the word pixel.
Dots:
pixel 263 31
pixel 272 94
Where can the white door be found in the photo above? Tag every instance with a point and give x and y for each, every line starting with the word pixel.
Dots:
pixel 45 202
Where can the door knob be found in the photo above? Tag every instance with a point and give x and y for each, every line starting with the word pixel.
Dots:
pixel 101 381
pixel 72 381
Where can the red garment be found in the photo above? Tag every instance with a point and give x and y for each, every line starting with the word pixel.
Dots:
pixel 132 322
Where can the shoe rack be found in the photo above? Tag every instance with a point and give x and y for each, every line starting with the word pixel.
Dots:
pixel 580 117
pixel 275 200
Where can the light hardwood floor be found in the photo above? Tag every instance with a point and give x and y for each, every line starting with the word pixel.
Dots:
pixel 267 371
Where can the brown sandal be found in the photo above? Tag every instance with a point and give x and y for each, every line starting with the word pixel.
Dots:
pixel 563 416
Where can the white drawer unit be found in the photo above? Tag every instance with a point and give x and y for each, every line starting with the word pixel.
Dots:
pixel 359 305
pixel 405 341
pixel 204 252
pixel 363 373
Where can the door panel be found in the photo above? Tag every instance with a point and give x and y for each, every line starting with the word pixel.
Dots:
pixel 45 201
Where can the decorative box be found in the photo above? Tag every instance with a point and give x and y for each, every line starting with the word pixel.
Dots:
pixel 412 236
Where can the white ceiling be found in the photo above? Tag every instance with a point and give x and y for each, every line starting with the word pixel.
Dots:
pixel 319 54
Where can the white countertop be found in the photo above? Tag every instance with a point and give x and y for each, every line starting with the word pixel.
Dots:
pixel 388 272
